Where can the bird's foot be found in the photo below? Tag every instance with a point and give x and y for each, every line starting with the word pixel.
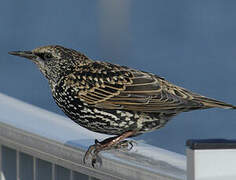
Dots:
pixel 92 156
pixel 125 145
pixel 107 144
pixel 93 150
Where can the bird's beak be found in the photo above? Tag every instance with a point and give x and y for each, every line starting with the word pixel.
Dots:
pixel 25 54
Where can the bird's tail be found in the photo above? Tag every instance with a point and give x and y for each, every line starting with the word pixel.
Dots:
pixel 212 103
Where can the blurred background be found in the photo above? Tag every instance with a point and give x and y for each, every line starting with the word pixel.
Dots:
pixel 190 43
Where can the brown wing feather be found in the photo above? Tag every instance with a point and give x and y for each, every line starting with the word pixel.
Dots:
pixel 116 87
pixel 151 93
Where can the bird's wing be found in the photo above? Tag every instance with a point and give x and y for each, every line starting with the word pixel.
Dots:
pixel 111 86
pixel 148 92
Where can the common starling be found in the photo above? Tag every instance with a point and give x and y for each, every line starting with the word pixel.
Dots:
pixel 112 99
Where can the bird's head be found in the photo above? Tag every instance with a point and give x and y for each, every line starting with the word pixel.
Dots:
pixel 53 61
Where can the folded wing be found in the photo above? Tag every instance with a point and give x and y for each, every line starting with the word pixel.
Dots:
pixel 111 86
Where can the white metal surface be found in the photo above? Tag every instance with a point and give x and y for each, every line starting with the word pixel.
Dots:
pixel 211 164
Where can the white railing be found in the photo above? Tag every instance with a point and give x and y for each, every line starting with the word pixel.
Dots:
pixel 211 159
pixel 37 144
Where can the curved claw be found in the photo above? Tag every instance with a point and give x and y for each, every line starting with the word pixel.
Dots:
pixel 89 152
pixel 93 153
pixel 125 145
pixel 96 161
pixel 132 143
pixel 97 142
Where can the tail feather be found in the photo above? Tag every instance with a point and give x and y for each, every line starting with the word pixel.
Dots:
pixel 212 103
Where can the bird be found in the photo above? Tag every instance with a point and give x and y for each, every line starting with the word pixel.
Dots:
pixel 112 99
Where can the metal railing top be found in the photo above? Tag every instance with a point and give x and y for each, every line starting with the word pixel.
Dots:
pixel 55 138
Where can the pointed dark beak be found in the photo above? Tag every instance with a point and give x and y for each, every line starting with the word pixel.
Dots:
pixel 25 54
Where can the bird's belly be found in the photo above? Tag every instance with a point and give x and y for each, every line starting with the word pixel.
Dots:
pixel 108 121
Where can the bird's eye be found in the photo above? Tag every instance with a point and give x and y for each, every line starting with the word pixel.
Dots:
pixel 44 56
pixel 47 56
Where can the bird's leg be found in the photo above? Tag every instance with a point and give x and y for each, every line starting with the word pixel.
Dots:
pixel 107 144
pixel 125 144
pixel 119 144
